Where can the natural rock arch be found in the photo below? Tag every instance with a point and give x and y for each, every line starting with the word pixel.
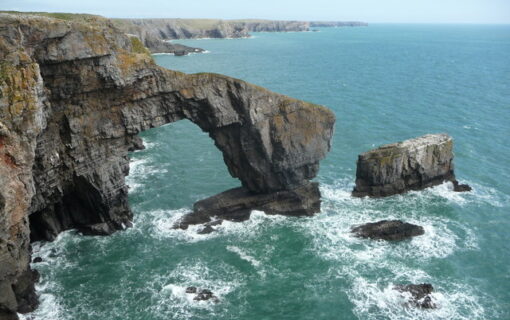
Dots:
pixel 74 97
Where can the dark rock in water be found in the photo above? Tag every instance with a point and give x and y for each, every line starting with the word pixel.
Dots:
pixel 98 229
pixel 409 165
pixel 457 187
pixel 237 204
pixel 180 53
pixel 205 295
pixel 191 290
pixel 202 295
pixel 208 227
pixel 206 230
pixel 136 144
pixel 420 294
pixel 37 260
pixel 388 230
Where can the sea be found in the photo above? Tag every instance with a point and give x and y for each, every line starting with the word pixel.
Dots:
pixel 385 83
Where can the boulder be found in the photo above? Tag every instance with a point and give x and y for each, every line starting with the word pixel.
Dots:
pixel 391 230
pixel 420 295
pixel 409 165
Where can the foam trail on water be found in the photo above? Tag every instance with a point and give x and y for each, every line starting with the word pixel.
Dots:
pixel 162 224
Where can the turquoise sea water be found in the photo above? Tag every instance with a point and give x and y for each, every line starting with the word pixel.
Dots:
pixel 385 83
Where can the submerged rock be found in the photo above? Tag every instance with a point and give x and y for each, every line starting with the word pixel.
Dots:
pixel 391 230
pixel 420 295
pixel 202 295
pixel 409 165
pixel 237 204
pixel 208 227
pixel 191 290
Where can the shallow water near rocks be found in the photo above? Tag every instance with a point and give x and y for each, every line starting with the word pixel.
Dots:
pixel 385 83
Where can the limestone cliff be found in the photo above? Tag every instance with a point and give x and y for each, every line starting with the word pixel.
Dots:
pixel 74 94
pixel 408 165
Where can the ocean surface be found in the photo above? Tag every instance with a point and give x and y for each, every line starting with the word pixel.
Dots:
pixel 386 83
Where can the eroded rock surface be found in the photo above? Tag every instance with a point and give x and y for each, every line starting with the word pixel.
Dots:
pixel 73 97
pixel 392 230
pixel 413 164
pixel 236 205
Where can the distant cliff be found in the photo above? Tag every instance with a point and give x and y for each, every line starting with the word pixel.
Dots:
pixel 154 32
pixel 329 24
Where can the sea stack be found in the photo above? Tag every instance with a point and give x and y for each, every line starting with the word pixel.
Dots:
pixel 412 164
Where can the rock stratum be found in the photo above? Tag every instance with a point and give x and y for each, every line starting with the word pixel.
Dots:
pixel 74 94
pixel 413 164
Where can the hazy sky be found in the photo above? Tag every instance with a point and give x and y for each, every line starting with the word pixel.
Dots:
pixel 446 11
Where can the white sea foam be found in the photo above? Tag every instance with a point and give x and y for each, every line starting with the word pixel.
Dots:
pixel 49 309
pixel 479 194
pixel 242 254
pixel 356 259
pixel 374 300
pixel 169 291
pixel 163 221
pixel 140 169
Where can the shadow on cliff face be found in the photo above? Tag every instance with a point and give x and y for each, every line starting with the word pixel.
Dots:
pixel 81 207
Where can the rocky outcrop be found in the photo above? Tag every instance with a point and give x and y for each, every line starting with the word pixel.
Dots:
pixel 409 165
pixel 419 295
pixel 391 230
pixel 237 204
pixel 73 96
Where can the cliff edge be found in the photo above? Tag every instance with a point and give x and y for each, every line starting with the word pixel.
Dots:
pixel 74 94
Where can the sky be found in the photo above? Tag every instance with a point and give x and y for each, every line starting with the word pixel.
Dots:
pixel 372 11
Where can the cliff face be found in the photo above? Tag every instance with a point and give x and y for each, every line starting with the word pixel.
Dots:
pixel 74 95
pixel 409 165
